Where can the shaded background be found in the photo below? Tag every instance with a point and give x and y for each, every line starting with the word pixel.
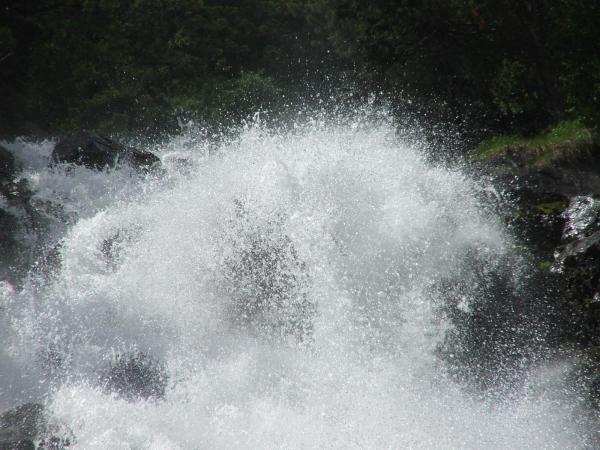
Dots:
pixel 481 67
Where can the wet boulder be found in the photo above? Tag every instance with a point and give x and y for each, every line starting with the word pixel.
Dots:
pixel 579 252
pixel 582 217
pixel 580 245
pixel 98 152
pixel 26 427
pixel 20 427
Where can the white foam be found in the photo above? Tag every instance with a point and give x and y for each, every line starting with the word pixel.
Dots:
pixel 374 225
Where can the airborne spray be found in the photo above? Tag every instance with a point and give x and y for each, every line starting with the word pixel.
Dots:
pixel 278 290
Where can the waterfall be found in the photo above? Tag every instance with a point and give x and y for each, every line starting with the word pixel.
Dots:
pixel 299 289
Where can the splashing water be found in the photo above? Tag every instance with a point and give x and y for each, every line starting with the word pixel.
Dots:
pixel 285 285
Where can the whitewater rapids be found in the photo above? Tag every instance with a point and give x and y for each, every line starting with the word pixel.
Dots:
pixel 340 349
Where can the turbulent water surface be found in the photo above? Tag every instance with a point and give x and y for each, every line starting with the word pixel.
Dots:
pixel 276 291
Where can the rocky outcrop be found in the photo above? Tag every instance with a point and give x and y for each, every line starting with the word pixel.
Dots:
pixel 577 263
pixel 131 376
pixel 98 152
pixel 556 213
pixel 553 207
pixel 25 220
pixel 567 168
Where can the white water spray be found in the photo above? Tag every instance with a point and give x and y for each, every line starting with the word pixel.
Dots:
pixel 285 283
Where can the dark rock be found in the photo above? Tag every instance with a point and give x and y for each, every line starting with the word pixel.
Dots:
pixel 14 220
pixel 7 166
pixel 19 427
pixel 581 251
pixel 25 224
pixel 11 249
pixel 496 338
pixel 541 181
pixel 577 263
pixel 135 376
pixel 582 217
pixel 25 427
pixel 557 216
pixel 552 193
pixel 577 298
pixel 539 220
pixel 98 152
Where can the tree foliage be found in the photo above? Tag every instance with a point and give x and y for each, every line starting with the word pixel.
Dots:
pixel 139 64
pixel 499 63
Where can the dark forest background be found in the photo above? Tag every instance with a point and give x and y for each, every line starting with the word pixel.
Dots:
pixel 482 67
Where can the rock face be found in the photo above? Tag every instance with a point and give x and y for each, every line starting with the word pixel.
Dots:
pixel 97 152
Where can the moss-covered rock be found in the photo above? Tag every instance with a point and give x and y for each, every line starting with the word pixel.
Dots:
pixel 568 141
pixel 565 160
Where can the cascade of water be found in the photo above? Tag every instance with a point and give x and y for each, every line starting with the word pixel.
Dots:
pixel 282 290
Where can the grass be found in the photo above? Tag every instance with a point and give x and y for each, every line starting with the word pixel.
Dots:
pixel 563 132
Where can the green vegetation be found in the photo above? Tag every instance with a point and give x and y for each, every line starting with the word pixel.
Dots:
pixel 551 207
pixel 480 67
pixel 561 140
